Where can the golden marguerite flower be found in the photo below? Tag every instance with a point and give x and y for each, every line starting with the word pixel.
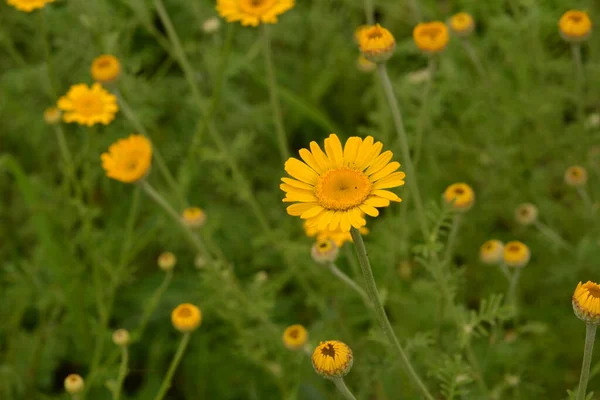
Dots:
pixel 338 236
pixel 28 5
pixel 194 217
pixel 431 37
pixel 460 195
pixel 295 336
pixel 492 252
pixel 128 160
pixel 462 24
pixel 516 254
pixel 575 26
pixel 333 189
pixel 526 214
pixel 186 317
pixel 121 337
pixel 576 176
pixel 88 105
pixel 332 359
pixel 105 68
pixel 74 384
pixel 324 251
pixel 52 115
pixel 586 302
pixel 166 261
pixel 253 12
pixel 376 43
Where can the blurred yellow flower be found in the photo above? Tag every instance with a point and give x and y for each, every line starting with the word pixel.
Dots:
pixel 167 261
pixel 376 43
pixel 128 160
pixel 74 384
pixel 492 252
pixel 586 302
pixel 186 317
pixel 332 359
pixel 516 254
pixel 121 337
pixel 431 37
pixel 194 217
pixel 253 12
pixel 28 5
pixel 105 68
pixel 295 336
pixel 324 251
pixel 52 115
pixel 575 26
pixel 333 189
pixel 462 24
pixel 576 176
pixel 88 105
pixel 526 214
pixel 462 195
pixel 338 236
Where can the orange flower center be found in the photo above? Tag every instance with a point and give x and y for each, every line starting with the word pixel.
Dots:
pixel 256 7
pixel 184 313
pixel 328 350
pixel 374 34
pixel 89 104
pixel 513 248
pixel 342 189
pixel 431 31
pixel 575 18
pixel 594 290
pixel 294 333
pixel 104 63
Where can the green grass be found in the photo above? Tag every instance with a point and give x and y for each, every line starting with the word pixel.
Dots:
pixel 70 275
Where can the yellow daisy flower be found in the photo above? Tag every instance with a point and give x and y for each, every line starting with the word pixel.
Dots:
pixel 460 195
pixel 194 217
pixel 576 176
pixel 492 252
pixel 462 24
pixel 324 251
pixel 295 336
pixel 332 189
pixel 105 68
pixel 74 384
pixel 575 26
pixel 516 254
pixel 253 12
pixel 128 160
pixel 28 5
pixel 431 37
pixel 186 317
pixel 376 43
pixel 88 105
pixel 332 359
pixel 586 302
pixel 526 214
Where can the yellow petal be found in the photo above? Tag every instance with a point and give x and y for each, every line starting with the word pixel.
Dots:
pixel 363 150
pixel 371 155
pixel 297 184
pixel 351 150
pixel 309 159
pixel 390 181
pixel 377 202
pixel 301 171
pixel 298 209
pixel 380 162
pixel 333 148
pixel 313 212
pixel 324 220
pixel 388 169
pixel 356 218
pixel 386 194
pixel 303 196
pixel 369 210
pixel 320 157
pixel 345 222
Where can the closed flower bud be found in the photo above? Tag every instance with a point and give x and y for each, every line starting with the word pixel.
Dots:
pixel 295 336
pixel 186 317
pixel 52 115
pixel 491 252
pixel 431 37
pixel 211 25
pixel 167 261
pixel 516 254
pixel 376 43
pixel 575 26
pixel 106 68
pixel 74 384
pixel 576 176
pixel 194 217
pixel 462 24
pixel 460 195
pixel 586 302
pixel 324 251
pixel 526 214
pixel 121 337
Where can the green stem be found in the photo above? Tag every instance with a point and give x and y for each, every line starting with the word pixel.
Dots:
pixel 348 281
pixel 586 198
pixel 399 125
pixel 122 372
pixel 369 12
pixel 452 236
pixel 68 160
pixel 576 51
pixel 424 112
pixel 11 50
pixel 379 311
pixel 152 303
pixel 48 60
pixel 590 336
pixel 166 384
pixel 341 385
pixel 275 105
pixel 505 271
pixel 476 367
pixel 552 235
pixel 474 58
pixel 511 294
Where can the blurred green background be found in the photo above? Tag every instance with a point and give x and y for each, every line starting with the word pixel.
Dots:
pixel 510 134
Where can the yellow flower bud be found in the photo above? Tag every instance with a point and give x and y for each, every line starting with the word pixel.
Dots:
pixel 324 251
pixel 74 384
pixel 295 336
pixel 376 43
pixel 332 359
pixel 575 26
pixel 121 337
pixel 106 68
pixel 491 252
pixel 194 217
pixel 186 317
pixel 576 176
pixel 586 302
pixel 431 37
pixel 460 195
pixel 462 24
pixel 516 254
pixel 167 261
pixel 526 214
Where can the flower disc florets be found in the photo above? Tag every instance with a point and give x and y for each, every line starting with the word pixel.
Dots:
pixel 332 359
pixel 586 302
pixel 376 43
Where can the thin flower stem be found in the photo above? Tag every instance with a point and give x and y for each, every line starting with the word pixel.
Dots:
pixel 586 198
pixel 511 294
pixel 122 372
pixel 12 50
pixel 348 281
pixel 341 385
pixel 399 125
pixel 379 311
pixel 576 51
pixel 152 303
pixel 552 235
pixel 369 12
pixel 424 112
pixel 505 271
pixel 68 159
pixel 590 337
pixel 166 384
pixel 275 105
pixel 472 358
pixel 456 221
pixel 474 57
pixel 48 59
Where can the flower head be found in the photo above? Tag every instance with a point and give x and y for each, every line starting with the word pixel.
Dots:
pixel 575 26
pixel 295 336
pixel 186 317
pixel 105 68
pixel 128 160
pixel 253 12
pixel 365 65
pixel 28 5
pixel 526 214
pixel 492 252
pixel 88 105
pixel 167 261
pixel 52 115
pixel 211 25
pixel 121 337
pixel 194 217
pixel 332 359
pixel 376 43
pixel 586 302
pixel 324 251
pixel 332 189
pixel 74 384
pixel 516 254
pixel 431 37
pixel 462 24
pixel 576 176
pixel 338 236
pixel 460 195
